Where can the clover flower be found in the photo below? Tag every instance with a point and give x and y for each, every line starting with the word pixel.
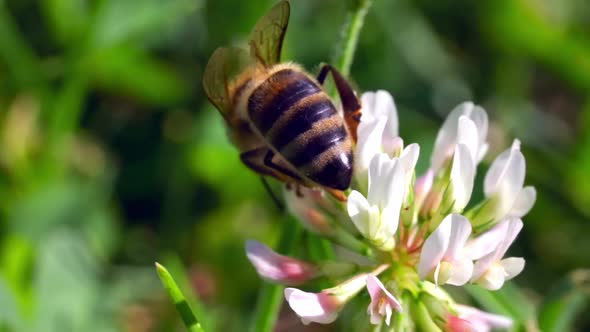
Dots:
pixel 402 237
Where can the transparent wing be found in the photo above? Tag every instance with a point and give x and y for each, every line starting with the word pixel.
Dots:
pixel 267 37
pixel 223 66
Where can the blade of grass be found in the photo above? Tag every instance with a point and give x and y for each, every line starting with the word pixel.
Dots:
pixel 182 306
pixel 350 35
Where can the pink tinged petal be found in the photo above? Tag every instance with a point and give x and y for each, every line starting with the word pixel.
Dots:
pixel 524 202
pixel 512 266
pixel 382 302
pixel 456 324
pixel 278 268
pixel 359 211
pixel 306 209
pixel 467 135
pixel 484 321
pixel 460 232
pixel 313 307
pixel 423 185
pixel 434 248
pixel 462 177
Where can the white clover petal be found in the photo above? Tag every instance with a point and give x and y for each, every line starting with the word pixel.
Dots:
pixel 486 242
pixel 434 248
pixel 505 178
pixel 408 159
pixel 488 270
pixel 494 277
pixel 448 134
pixel 514 227
pixel 524 202
pixel 312 307
pixel 467 135
pixel 378 104
pixel 462 177
pixel 460 232
pixel 512 266
pixel 380 174
pixel 359 211
pixel 368 144
pixel 462 269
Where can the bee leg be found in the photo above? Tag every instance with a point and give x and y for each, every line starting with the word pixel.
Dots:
pixel 260 160
pixel 350 103
pixel 272 194
pixel 268 161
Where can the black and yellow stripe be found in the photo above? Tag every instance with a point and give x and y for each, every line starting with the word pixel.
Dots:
pixel 298 119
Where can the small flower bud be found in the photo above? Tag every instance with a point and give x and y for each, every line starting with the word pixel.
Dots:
pixel 278 268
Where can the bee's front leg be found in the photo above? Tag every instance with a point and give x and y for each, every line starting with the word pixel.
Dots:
pixel 351 105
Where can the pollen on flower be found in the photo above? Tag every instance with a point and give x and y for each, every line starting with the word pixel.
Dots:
pixel 406 235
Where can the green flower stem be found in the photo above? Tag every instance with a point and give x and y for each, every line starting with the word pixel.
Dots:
pixel 351 31
pixel 270 297
pixel 185 311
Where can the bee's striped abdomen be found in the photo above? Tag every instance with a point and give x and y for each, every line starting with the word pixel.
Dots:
pixel 298 119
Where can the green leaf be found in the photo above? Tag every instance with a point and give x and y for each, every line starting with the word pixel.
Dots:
pixel 129 71
pixel 119 21
pixel 9 314
pixel 70 29
pixel 66 284
pixel 182 306
pixel 565 302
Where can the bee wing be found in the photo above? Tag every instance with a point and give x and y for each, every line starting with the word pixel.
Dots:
pixel 223 66
pixel 267 37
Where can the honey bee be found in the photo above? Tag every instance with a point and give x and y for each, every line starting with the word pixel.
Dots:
pixel 280 117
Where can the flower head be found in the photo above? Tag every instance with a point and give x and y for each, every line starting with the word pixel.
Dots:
pixel 410 231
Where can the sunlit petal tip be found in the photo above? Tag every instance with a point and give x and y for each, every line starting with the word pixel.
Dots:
pixel 483 321
pixel 512 266
pixel 524 202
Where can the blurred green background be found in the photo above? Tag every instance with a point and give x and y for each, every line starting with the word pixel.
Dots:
pixel 111 157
